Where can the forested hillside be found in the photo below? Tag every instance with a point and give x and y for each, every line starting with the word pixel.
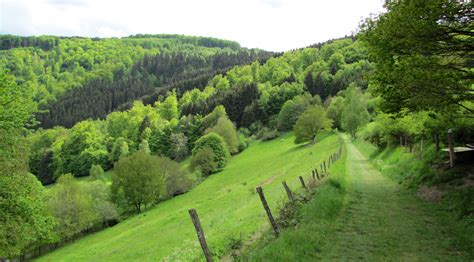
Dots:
pixel 132 132
pixel 259 98
pixel 73 79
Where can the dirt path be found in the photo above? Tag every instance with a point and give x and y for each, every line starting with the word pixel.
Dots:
pixel 381 221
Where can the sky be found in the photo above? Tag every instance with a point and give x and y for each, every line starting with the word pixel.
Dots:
pixel 274 25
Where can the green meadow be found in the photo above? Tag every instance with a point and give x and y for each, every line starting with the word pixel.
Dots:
pixel 227 204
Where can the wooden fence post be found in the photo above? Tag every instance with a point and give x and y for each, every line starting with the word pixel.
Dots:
pixel 317 174
pixel 288 191
pixel 451 148
pixel 302 182
pixel 200 234
pixel 324 164
pixel 269 212
pixel 313 174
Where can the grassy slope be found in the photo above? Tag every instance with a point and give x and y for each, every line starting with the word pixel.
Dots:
pixel 379 220
pixel 226 203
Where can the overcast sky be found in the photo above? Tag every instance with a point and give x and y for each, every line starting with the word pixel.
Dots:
pixel 275 25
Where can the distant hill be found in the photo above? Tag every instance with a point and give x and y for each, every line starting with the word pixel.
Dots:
pixel 75 78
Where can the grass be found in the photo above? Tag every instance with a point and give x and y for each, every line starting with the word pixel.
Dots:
pixel 229 209
pixel 455 206
pixel 368 217
pixel 304 241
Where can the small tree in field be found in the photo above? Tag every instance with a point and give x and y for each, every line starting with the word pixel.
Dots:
pixel 138 180
pixel 310 123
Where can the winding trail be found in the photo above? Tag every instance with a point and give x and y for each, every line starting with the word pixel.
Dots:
pixel 382 221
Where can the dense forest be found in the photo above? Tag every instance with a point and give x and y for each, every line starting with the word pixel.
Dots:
pixel 72 79
pixel 141 119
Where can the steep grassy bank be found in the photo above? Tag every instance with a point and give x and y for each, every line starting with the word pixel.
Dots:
pixel 226 202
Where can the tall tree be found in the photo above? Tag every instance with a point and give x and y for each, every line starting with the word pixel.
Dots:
pixel 25 219
pixel 423 53
pixel 354 113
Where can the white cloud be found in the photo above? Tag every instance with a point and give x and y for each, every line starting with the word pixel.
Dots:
pixel 275 25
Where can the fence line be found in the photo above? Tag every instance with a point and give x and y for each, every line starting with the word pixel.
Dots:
pixel 314 173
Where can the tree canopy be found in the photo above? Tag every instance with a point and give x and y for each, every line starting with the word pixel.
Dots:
pixel 423 55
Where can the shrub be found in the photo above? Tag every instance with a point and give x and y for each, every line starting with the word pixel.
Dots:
pixel 204 160
pixel 266 134
pixel 243 142
pixel 96 173
pixel 218 146
pixel 72 207
pixel 226 129
pixel 177 180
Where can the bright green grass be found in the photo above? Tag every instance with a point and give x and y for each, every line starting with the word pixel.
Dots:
pixel 378 220
pixel 304 242
pixel 226 203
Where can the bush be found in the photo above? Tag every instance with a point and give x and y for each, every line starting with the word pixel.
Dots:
pixel 177 179
pixel 226 129
pixel 96 173
pixel 204 160
pixel 243 142
pixel 218 146
pixel 266 134
pixel 72 207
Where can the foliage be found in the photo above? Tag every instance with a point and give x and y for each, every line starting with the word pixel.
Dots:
pixel 177 179
pixel 226 129
pixel 26 222
pixel 335 111
pixel 105 210
pixel 218 146
pixel 310 123
pixel 139 180
pixel 267 134
pixel 144 146
pixel 96 173
pixel 354 114
pixel 83 147
pixel 72 207
pixel 25 218
pixel 15 112
pixel 292 109
pixel 179 146
pixel 421 50
pixel 204 160
pixel 169 108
